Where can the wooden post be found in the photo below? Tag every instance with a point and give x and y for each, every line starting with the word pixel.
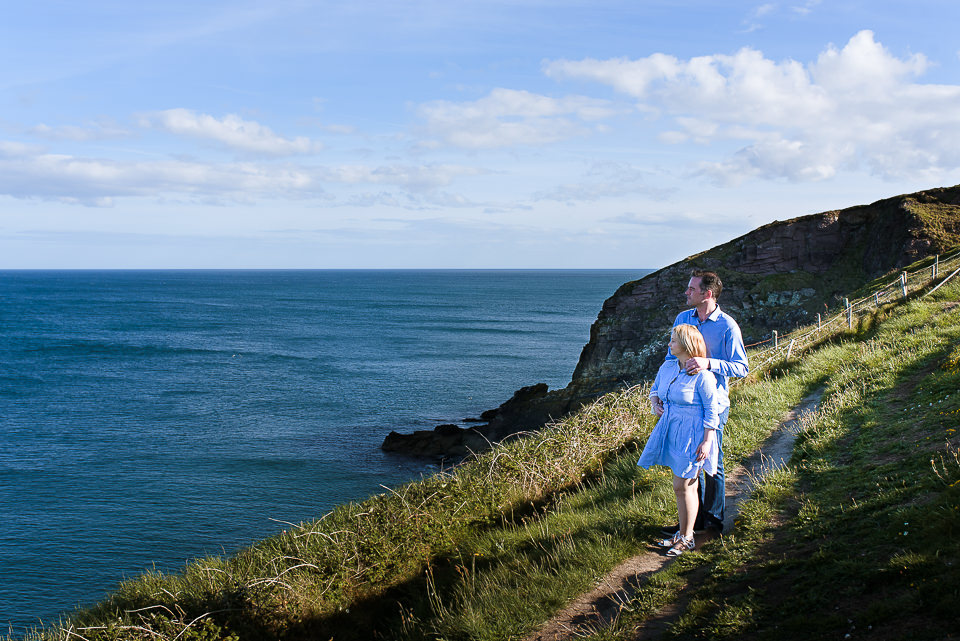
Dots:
pixel 818 322
pixel 936 265
pixel 903 283
pixel 846 303
pixel 775 339
pixel 876 299
pixel 790 348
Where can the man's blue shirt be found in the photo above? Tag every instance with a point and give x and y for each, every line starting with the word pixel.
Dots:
pixel 725 350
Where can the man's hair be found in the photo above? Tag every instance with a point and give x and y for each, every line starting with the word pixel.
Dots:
pixel 708 280
pixel 691 340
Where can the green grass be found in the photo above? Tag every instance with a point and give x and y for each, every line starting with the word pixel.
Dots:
pixel 859 536
pixel 364 567
pixel 860 531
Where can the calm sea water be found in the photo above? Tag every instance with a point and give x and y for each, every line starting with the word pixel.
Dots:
pixel 150 417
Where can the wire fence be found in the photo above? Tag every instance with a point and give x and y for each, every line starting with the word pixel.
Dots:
pixel 780 347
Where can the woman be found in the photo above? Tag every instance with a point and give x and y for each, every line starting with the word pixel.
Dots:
pixel 684 438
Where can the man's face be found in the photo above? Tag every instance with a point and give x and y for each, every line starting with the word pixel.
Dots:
pixel 693 293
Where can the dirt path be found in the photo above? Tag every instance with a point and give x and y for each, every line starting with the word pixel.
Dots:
pixel 600 607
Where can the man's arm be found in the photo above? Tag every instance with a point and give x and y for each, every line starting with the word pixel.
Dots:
pixel 733 360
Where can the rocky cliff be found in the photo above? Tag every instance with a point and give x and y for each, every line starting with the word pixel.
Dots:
pixel 775 277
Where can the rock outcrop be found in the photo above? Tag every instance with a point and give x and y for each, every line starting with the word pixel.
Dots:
pixel 777 276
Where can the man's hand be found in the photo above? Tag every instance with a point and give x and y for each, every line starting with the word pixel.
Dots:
pixel 656 405
pixel 697 363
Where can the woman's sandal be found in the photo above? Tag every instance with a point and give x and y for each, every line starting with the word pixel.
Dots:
pixel 667 543
pixel 683 544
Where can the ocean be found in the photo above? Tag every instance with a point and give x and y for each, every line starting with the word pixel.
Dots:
pixel 151 417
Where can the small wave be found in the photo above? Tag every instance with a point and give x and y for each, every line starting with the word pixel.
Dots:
pixel 178 393
pixel 100 348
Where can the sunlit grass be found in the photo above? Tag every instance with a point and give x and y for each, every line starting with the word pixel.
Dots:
pixel 859 536
pixel 493 548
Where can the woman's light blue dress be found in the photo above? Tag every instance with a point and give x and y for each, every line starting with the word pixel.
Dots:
pixel 691 404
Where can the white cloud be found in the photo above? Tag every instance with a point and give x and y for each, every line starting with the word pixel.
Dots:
pixel 764 9
pixel 11 150
pixel 806 8
pixel 858 107
pixel 93 181
pixel 73 133
pixel 864 68
pixel 758 12
pixel 415 178
pixel 430 201
pixel 231 131
pixel 27 172
pixel 607 180
pixel 507 117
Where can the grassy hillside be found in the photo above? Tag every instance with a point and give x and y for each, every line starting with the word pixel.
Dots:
pixel 860 534
pixel 860 537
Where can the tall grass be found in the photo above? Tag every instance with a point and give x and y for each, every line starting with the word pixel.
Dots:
pixel 491 548
pixel 860 536
pixel 306 580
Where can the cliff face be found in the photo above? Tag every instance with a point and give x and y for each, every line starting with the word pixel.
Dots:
pixel 775 277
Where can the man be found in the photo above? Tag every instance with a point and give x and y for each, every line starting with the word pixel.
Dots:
pixel 727 357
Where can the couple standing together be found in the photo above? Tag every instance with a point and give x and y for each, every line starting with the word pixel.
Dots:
pixel 690 395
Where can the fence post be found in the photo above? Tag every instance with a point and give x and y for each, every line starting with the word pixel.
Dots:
pixel 790 348
pixel 818 322
pixel 936 265
pixel 846 303
pixel 903 283
pixel 774 339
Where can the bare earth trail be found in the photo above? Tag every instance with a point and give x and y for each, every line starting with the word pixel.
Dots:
pixel 599 607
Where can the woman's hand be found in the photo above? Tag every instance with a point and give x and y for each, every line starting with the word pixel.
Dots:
pixel 706 445
pixel 656 406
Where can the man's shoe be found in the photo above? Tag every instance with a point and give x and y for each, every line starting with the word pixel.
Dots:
pixel 699 528
pixel 670 541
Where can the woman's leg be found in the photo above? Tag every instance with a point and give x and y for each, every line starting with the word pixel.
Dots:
pixel 688 503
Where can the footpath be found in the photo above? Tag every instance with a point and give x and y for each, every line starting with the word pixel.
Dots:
pixel 601 606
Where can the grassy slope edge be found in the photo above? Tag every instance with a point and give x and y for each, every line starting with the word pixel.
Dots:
pixel 493 548
pixel 859 536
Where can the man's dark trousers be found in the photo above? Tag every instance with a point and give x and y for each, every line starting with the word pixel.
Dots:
pixel 712 490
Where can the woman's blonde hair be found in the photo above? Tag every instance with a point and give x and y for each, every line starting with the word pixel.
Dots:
pixel 691 340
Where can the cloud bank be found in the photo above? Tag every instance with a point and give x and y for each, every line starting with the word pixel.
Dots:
pixel 724 117
pixel 855 108
pixel 29 172
pixel 508 118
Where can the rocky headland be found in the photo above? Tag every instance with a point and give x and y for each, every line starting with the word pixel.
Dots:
pixel 777 276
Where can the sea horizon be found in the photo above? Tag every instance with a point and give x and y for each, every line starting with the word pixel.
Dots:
pixel 643 270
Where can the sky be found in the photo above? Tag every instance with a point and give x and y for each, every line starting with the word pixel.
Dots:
pixel 456 134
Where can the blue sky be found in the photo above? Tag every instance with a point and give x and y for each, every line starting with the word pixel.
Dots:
pixel 472 134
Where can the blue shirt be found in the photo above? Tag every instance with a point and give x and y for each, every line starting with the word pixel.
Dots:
pixel 725 350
